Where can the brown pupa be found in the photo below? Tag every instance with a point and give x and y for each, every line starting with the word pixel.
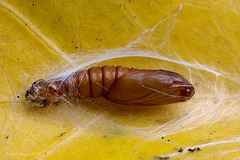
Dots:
pixel 121 85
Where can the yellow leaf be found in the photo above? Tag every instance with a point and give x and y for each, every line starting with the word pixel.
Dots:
pixel 200 40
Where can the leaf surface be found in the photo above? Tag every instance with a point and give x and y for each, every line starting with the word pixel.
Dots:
pixel 199 40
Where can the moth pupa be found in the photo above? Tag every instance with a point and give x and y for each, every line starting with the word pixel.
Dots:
pixel 117 84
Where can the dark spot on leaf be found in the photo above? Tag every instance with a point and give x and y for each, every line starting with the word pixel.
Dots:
pixel 160 158
pixel 180 150
pixel 62 134
pixel 194 149
pixel 191 150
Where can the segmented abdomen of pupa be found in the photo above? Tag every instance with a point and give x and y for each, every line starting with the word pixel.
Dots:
pixel 94 82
